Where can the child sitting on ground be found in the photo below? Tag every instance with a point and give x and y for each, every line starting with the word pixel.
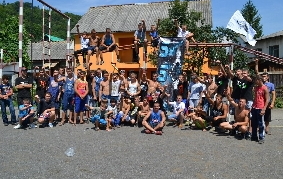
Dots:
pixel 26 113
pixel 111 114
pixel 199 118
pixel 98 116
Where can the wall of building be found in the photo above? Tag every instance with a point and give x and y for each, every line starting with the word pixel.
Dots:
pixel 126 56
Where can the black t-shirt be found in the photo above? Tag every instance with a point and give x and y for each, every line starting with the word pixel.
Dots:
pixel 160 101
pixel 45 105
pixel 222 83
pixel 242 89
pixel 25 92
pixel 182 89
pixel 41 85
pixel 89 81
pixel 144 88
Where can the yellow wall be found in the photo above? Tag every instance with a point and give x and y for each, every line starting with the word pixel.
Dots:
pixel 126 56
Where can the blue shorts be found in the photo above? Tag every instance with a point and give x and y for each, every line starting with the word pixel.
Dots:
pixel 68 102
pixel 92 48
pixel 95 118
pixel 153 124
pixel 174 116
pixel 193 102
pixel 79 104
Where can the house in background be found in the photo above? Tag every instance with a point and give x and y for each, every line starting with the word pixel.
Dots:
pixel 123 21
pixel 58 54
pixel 272 45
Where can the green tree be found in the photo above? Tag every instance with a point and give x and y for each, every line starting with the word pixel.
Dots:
pixel 203 33
pixel 250 13
pixel 9 35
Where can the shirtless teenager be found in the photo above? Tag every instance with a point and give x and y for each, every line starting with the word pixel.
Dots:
pixel 152 84
pixel 81 91
pixel 144 110
pixel 94 42
pixel 104 90
pixel 241 117
pixel 125 107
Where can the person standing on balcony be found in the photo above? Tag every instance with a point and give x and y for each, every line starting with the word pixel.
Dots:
pixel 140 39
pixel 108 44
pixel 93 46
pixel 84 47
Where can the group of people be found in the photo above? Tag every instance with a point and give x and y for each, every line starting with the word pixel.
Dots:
pixel 112 100
pixel 91 43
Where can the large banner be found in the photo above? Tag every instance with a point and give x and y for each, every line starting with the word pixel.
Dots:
pixel 170 61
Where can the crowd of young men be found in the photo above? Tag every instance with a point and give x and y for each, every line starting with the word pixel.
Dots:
pixel 112 100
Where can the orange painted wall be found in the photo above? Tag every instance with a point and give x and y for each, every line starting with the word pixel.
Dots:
pixel 126 56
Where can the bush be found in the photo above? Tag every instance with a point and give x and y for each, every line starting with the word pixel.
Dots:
pixel 278 103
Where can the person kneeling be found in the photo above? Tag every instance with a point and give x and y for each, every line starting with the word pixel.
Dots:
pixel 26 113
pixel 241 117
pixel 47 109
pixel 154 121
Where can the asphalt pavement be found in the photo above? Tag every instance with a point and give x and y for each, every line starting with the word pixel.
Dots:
pixel 129 153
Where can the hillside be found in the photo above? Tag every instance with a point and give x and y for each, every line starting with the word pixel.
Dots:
pixel 33 20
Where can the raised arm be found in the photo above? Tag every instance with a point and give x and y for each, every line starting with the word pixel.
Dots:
pixel 143 24
pixel 34 71
pixel 221 67
pixel 231 100
pixel 93 86
pixel 78 30
pixel 256 66
pixel 208 97
pixel 176 23
pixel 229 72
pixel 158 22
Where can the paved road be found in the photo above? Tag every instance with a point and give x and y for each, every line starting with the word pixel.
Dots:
pixel 129 153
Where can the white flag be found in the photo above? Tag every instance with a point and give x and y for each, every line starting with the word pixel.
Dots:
pixel 239 25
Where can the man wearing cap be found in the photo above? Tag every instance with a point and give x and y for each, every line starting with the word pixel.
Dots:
pixel 23 84
pixel 84 47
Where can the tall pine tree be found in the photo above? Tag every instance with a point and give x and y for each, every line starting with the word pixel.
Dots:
pixel 250 13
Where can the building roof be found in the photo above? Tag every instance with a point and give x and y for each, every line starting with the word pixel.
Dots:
pixel 124 18
pixel 53 38
pixel 276 34
pixel 58 50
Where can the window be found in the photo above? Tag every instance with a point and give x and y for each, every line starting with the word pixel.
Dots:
pixel 274 50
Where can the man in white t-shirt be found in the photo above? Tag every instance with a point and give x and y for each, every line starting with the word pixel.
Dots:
pixel 84 47
pixel 182 32
pixel 116 83
pixel 195 90
pixel 178 112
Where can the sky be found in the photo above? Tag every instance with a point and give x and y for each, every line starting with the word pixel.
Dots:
pixel 222 10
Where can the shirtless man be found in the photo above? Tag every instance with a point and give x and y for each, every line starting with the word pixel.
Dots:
pixel 125 107
pixel 152 84
pixel 144 110
pixel 241 117
pixel 104 90
pixel 93 46
pixel 211 88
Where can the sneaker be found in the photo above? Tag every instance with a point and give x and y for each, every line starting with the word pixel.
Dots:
pixel 6 124
pixel 84 65
pixel 31 126
pixel 118 60
pixel 78 64
pixel 14 123
pixel 50 125
pixel 101 63
pixel 261 141
pixel 248 136
pixel 18 126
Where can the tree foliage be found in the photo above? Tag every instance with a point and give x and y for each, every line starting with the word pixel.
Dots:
pixel 33 20
pixel 202 33
pixel 250 13
pixel 32 24
pixel 9 35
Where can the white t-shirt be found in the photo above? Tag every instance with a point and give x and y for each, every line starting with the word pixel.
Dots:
pixel 114 109
pixel 178 106
pixel 115 88
pixel 195 89
pixel 181 33
pixel 84 42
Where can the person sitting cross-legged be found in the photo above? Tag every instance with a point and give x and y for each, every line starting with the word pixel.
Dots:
pixel 47 109
pixel 241 117
pixel 154 121
pixel 199 117
pixel 26 113
pixel 178 113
